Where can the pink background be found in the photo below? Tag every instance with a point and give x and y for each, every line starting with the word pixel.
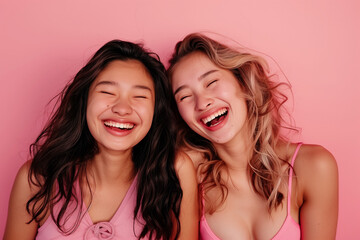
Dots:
pixel 316 43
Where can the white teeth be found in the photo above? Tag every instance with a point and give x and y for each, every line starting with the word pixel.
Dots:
pixel 119 125
pixel 214 115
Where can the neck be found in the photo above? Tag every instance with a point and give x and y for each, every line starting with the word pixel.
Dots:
pixel 236 153
pixel 112 168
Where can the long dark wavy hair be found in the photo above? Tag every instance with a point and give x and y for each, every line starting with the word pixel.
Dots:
pixel 265 119
pixel 64 147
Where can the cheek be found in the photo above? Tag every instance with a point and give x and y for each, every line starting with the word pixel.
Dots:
pixel 185 112
pixel 89 110
pixel 92 108
pixel 147 113
pixel 150 115
pixel 225 91
pixel 95 107
pixel 91 118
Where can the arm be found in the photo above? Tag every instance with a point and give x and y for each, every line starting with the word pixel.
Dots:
pixel 16 224
pixel 319 177
pixel 189 209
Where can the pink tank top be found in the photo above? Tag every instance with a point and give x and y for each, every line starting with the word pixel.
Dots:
pixel 121 226
pixel 290 230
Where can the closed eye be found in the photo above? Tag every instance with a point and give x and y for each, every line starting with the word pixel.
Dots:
pixel 140 97
pixel 105 92
pixel 184 97
pixel 211 83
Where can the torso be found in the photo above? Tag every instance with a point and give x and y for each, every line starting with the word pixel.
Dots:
pixel 121 224
pixel 244 214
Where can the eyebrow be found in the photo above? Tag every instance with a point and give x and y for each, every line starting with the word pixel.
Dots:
pixel 143 87
pixel 206 74
pixel 202 76
pixel 105 83
pixel 115 84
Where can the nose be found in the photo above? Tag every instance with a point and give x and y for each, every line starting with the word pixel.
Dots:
pixel 203 102
pixel 121 107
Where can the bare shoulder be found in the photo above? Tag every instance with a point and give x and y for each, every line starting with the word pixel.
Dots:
pixel 189 209
pixel 21 182
pixel 315 158
pixel 315 168
pixel 18 217
pixel 183 163
pixel 196 157
pixel 186 173
pixel 23 189
pixel 24 170
pixel 188 161
pixel 317 174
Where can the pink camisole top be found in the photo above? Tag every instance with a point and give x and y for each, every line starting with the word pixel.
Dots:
pixel 290 230
pixel 121 226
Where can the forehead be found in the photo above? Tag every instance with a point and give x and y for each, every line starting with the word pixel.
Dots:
pixel 191 67
pixel 128 71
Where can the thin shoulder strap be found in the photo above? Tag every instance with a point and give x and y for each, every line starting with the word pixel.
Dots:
pixel 291 175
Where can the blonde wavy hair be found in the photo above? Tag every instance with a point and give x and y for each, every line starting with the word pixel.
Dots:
pixel 264 101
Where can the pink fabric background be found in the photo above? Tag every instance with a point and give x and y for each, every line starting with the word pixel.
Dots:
pixel 316 43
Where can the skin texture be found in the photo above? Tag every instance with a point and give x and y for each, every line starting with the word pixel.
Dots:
pixel 122 93
pixel 189 209
pixel 202 88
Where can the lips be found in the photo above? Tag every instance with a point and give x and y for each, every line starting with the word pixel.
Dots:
pixel 215 118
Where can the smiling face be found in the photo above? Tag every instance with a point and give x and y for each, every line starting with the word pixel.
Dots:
pixel 209 99
pixel 120 105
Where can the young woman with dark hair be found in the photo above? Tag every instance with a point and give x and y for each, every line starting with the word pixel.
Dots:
pixel 255 183
pixel 105 165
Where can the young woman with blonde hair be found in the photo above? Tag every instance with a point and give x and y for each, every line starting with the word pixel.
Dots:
pixel 255 184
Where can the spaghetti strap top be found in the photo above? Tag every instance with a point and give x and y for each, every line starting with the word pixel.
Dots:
pixel 290 230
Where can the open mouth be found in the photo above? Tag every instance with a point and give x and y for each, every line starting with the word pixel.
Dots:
pixel 215 118
pixel 120 126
